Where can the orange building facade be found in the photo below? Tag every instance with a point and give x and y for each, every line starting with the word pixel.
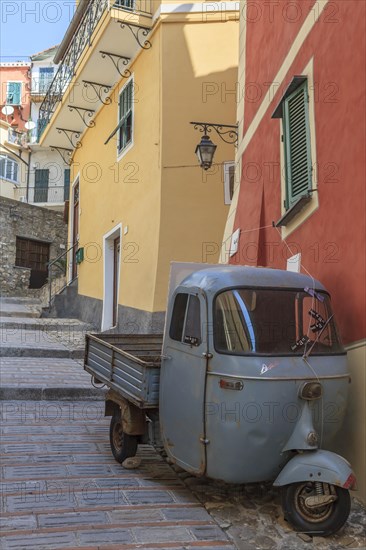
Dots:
pixel 15 80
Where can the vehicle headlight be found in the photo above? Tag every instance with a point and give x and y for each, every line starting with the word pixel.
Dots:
pixel 311 391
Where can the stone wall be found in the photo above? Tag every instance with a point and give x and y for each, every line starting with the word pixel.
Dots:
pixel 19 219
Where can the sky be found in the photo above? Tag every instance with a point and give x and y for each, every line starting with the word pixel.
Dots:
pixel 28 26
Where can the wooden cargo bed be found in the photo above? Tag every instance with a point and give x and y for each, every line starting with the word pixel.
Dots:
pixel 128 364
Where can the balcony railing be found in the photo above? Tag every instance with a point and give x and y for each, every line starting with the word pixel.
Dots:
pixel 40 85
pixel 18 138
pixel 52 194
pixel 82 39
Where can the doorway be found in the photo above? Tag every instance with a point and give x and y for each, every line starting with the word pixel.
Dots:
pixel 34 255
pixel 112 271
pixel 116 258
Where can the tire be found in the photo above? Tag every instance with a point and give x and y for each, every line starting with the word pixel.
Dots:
pixel 122 445
pixel 322 521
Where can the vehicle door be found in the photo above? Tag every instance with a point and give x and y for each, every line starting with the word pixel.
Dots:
pixel 183 380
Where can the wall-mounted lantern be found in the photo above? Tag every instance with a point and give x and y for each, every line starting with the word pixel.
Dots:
pixel 205 150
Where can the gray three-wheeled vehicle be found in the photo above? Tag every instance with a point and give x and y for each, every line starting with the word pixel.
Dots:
pixel 253 387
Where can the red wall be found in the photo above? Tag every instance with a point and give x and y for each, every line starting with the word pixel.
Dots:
pixel 332 239
pixel 17 74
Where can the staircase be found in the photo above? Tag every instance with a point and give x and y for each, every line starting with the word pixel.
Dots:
pixel 25 334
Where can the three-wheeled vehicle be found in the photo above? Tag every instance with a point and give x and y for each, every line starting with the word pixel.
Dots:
pixel 250 384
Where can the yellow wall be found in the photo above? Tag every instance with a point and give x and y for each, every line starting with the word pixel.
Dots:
pixel 133 199
pixel 199 72
pixel 173 207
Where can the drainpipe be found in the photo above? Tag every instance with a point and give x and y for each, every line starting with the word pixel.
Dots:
pixel 28 172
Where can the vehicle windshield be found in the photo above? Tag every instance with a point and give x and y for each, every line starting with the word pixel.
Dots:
pixel 276 322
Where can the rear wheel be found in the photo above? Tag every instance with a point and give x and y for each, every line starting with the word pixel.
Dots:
pixel 316 508
pixel 123 445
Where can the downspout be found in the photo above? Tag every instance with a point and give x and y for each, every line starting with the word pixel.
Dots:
pixel 28 173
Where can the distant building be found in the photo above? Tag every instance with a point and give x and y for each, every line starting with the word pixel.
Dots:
pixel 42 176
pixel 49 174
pixel 15 93
pixel 14 161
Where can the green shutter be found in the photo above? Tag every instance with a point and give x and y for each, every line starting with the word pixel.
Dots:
pixel 41 185
pixel 66 184
pixel 14 93
pixel 297 145
pixel 125 113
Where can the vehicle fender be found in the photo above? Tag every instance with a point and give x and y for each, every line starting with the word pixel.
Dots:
pixel 319 465
pixel 133 419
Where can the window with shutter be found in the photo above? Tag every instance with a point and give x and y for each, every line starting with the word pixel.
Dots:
pixel 123 130
pixel 296 137
pixel 13 93
pixel 125 116
pixel 66 184
pixel 41 181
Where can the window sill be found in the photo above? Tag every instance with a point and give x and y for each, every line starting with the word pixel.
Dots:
pixel 294 210
pixel 16 183
pixel 123 152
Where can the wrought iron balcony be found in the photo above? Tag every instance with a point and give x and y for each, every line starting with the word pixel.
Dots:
pixel 56 194
pixel 81 40
pixel 40 85
pixel 18 138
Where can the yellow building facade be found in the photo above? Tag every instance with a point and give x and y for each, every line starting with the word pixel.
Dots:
pixel 138 198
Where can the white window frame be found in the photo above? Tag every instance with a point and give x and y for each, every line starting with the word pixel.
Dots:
pixel 49 80
pixel 8 158
pixel 313 205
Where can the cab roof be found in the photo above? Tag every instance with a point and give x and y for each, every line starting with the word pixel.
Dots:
pixel 214 279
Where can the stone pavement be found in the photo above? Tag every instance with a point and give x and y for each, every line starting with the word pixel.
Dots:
pixel 252 517
pixel 61 487
pixel 45 378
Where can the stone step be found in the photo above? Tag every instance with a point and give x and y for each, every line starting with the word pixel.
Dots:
pixel 33 351
pixel 19 300
pixel 45 378
pixel 46 324
pixel 16 309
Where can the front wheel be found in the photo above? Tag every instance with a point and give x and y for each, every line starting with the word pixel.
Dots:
pixel 316 508
pixel 122 445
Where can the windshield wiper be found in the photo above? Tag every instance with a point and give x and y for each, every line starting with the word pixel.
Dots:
pixel 306 355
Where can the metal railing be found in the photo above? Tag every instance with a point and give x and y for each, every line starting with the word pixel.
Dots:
pixel 57 274
pixel 41 85
pixel 18 138
pixel 33 195
pixel 81 39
